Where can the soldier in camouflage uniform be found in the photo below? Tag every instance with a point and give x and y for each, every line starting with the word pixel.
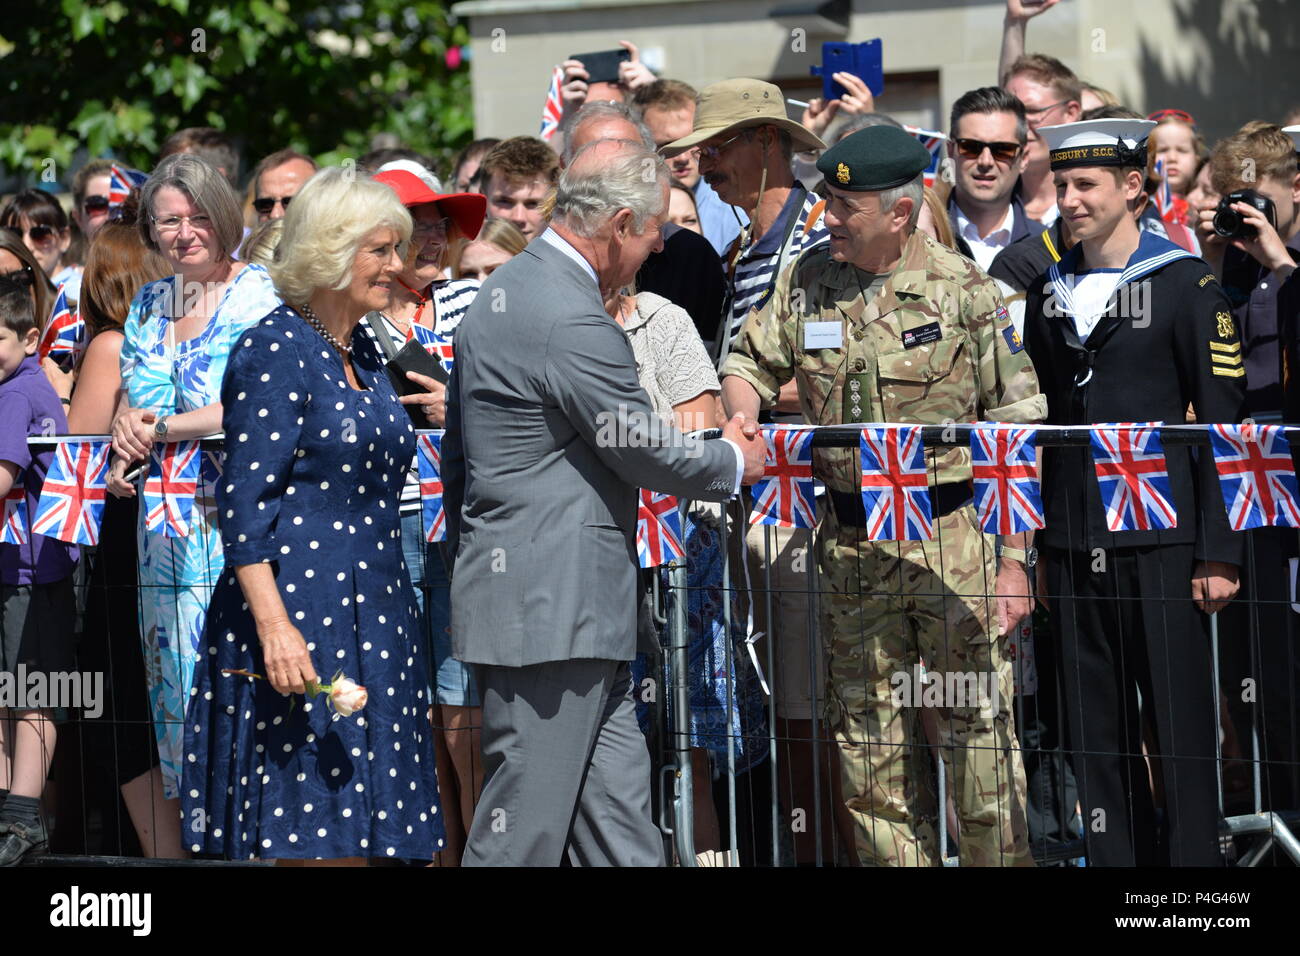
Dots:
pixel 885 325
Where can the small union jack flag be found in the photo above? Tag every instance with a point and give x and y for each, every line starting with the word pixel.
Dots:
pixel 553 108
pixel 14 529
pixel 1007 495
pixel 121 180
pixel 1256 476
pixel 1134 478
pixel 71 506
pixel 437 345
pixel 63 335
pixel 933 142
pixel 785 495
pixel 430 459
pixel 170 488
pixel 658 529
pixel 894 492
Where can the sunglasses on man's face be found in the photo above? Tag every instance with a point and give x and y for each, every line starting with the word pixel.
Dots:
pixel 264 204
pixel 974 148
pixel 37 233
pixel 95 203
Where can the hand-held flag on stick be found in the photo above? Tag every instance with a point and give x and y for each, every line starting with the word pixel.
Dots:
pixel 553 108
pixel 62 338
pixel 429 455
pixel 1256 475
pixel 894 492
pixel 785 496
pixel 1007 495
pixel 1134 477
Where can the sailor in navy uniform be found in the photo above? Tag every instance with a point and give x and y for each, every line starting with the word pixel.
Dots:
pixel 1129 327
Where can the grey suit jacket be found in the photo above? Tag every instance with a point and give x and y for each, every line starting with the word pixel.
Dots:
pixel 540 481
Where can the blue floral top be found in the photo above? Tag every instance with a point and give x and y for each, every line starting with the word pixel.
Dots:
pixel 170 377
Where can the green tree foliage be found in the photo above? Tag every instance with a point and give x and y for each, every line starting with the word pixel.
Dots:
pixel 120 76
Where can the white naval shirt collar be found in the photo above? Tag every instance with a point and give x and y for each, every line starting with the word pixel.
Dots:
pixel 559 242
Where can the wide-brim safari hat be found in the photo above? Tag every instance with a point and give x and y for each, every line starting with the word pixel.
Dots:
pixel 733 105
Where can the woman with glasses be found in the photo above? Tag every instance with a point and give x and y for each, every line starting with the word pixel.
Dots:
pixel 428 308
pixel 38 220
pixel 178 336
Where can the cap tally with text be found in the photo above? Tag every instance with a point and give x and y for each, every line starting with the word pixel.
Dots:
pixel 1099 142
pixel 872 159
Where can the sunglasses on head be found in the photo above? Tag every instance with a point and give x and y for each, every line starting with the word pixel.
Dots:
pixel 974 148
pixel 38 233
pixel 264 204
pixel 21 276
pixel 1183 115
pixel 95 203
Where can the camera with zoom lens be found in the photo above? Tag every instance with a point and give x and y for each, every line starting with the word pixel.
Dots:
pixel 1230 224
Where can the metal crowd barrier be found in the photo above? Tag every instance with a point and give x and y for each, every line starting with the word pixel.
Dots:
pixel 756 826
pixel 1258 820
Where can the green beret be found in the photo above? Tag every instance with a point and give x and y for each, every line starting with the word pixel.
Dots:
pixel 872 159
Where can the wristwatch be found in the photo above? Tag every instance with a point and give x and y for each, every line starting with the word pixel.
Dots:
pixel 160 429
pixel 1026 556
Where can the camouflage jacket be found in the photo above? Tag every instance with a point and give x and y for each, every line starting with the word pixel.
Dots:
pixel 935 345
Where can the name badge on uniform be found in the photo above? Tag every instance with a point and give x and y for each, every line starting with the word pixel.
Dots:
pixel 823 335
pixel 921 335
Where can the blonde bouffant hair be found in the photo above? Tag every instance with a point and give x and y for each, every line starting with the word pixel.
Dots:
pixel 324 228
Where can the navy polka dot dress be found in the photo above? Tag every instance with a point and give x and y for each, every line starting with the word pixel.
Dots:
pixel 313 475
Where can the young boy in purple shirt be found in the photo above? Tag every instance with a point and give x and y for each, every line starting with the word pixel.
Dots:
pixel 37 603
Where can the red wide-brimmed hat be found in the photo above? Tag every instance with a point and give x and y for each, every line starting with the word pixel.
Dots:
pixel 416 186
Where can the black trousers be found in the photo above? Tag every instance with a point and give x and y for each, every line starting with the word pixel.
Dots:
pixel 1126 629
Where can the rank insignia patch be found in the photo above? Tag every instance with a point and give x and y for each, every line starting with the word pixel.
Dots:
pixel 1226 328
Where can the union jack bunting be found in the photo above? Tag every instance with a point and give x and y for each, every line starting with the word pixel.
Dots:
pixel 430 458
pixel 72 499
pixel 553 108
pixel 1007 496
pixel 170 488
pixel 933 142
pixel 121 180
pixel 14 529
pixel 1256 475
pixel 1134 478
pixel 63 335
pixel 435 344
pixel 894 493
pixel 658 529
pixel 784 496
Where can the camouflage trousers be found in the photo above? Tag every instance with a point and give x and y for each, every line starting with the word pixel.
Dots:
pixel 896 614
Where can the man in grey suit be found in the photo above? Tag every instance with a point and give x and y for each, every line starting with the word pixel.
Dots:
pixel 549 436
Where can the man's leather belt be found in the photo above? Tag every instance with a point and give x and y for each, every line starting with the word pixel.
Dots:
pixel 944 499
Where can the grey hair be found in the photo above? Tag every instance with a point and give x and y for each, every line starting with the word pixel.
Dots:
pixel 914 190
pixel 204 186
pixel 597 110
pixel 635 178
pixel 863 121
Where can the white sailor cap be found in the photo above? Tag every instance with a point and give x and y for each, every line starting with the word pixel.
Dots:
pixel 1294 133
pixel 1099 142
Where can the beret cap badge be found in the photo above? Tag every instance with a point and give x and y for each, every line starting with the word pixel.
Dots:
pixel 842 173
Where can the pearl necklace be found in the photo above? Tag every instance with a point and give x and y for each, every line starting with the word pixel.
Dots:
pixel 306 312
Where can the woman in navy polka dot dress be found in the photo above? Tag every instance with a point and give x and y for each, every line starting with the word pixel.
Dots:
pixel 317 447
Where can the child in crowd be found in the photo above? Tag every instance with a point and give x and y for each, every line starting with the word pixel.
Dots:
pixel 37 604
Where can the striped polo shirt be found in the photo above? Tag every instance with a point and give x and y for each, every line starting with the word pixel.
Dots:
pixel 755 272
